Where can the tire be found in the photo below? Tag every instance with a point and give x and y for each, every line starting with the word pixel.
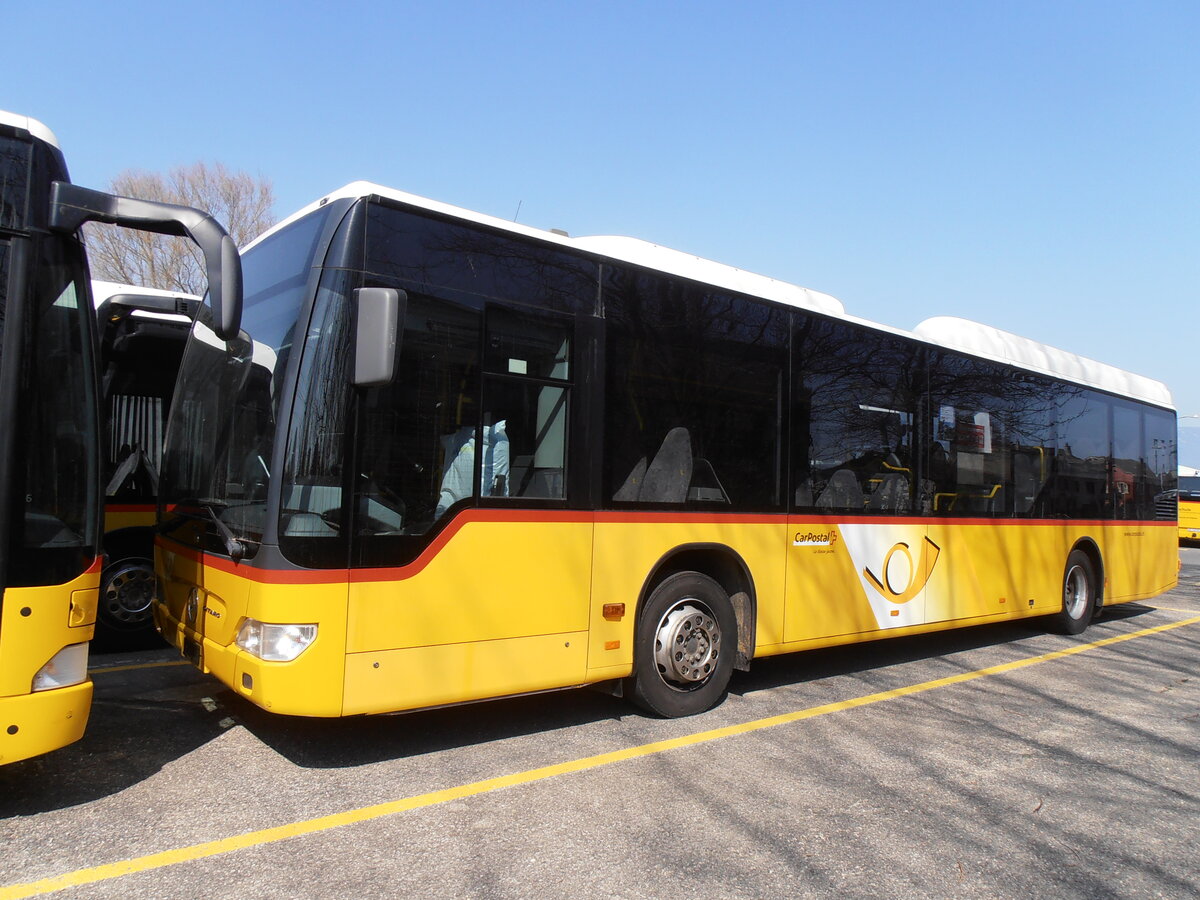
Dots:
pixel 124 620
pixel 691 613
pixel 1080 595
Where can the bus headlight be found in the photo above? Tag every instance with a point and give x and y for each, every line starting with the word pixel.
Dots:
pixel 67 667
pixel 275 643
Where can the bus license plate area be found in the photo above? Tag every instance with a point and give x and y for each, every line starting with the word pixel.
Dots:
pixel 192 651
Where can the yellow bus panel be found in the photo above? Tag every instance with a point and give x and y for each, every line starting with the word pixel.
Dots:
pixel 1189 520
pixel 455 673
pixel 490 581
pixel 507 605
pixel 118 516
pixel 33 724
pixel 37 623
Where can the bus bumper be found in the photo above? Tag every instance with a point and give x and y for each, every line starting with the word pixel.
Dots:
pixel 37 723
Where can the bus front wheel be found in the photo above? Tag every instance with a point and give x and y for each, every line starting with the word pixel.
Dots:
pixel 124 620
pixel 685 647
pixel 1079 595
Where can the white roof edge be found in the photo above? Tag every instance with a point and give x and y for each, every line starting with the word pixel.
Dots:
pixel 697 268
pixel 623 249
pixel 33 126
pixel 983 340
pixel 102 290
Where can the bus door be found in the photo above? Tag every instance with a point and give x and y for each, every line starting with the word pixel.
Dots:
pixel 859 555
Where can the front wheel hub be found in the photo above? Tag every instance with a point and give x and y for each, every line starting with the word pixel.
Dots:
pixel 687 643
pixel 127 593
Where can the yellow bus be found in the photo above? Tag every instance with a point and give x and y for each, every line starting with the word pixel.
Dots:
pixel 451 458
pixel 1189 504
pixel 141 333
pixel 50 563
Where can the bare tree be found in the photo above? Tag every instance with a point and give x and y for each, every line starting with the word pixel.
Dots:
pixel 240 202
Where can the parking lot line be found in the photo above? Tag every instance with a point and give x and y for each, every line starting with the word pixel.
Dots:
pixel 258 838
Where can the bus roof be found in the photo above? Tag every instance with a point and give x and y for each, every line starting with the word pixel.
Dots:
pixel 624 249
pixel 33 126
pixel 992 343
pixel 944 331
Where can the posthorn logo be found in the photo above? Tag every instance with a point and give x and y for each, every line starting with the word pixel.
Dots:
pixel 902 582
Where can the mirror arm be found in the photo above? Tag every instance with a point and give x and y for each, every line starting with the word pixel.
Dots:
pixel 71 206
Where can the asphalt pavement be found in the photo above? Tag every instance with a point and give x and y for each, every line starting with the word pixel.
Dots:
pixel 998 761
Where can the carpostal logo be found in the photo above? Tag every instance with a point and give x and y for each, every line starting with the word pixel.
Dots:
pixel 815 538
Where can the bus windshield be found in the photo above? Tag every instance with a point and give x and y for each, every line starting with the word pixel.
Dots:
pixel 222 426
pixel 53 519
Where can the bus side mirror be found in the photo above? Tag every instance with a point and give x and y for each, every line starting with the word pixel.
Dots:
pixel 378 318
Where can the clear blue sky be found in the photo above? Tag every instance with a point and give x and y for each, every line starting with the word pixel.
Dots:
pixel 1032 165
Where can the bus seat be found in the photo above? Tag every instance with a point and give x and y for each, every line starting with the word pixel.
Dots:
pixel 892 494
pixel 628 492
pixel 668 476
pixel 545 482
pixel 893 464
pixel 307 525
pixel 842 492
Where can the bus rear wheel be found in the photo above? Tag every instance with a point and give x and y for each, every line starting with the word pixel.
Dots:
pixel 1080 591
pixel 685 645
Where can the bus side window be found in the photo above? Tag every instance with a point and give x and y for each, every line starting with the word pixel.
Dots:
pixel 1081 455
pixel 693 396
pixel 854 395
pixel 992 438
pixel 526 405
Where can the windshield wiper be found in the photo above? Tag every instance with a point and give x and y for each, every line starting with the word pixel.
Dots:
pixel 235 548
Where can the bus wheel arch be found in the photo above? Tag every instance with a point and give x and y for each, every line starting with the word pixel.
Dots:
pixel 726 567
pixel 692 620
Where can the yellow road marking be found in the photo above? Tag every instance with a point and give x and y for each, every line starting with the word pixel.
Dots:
pixel 149 665
pixel 433 798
